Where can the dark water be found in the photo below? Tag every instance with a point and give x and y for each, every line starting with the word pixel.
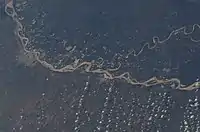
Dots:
pixel 36 99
